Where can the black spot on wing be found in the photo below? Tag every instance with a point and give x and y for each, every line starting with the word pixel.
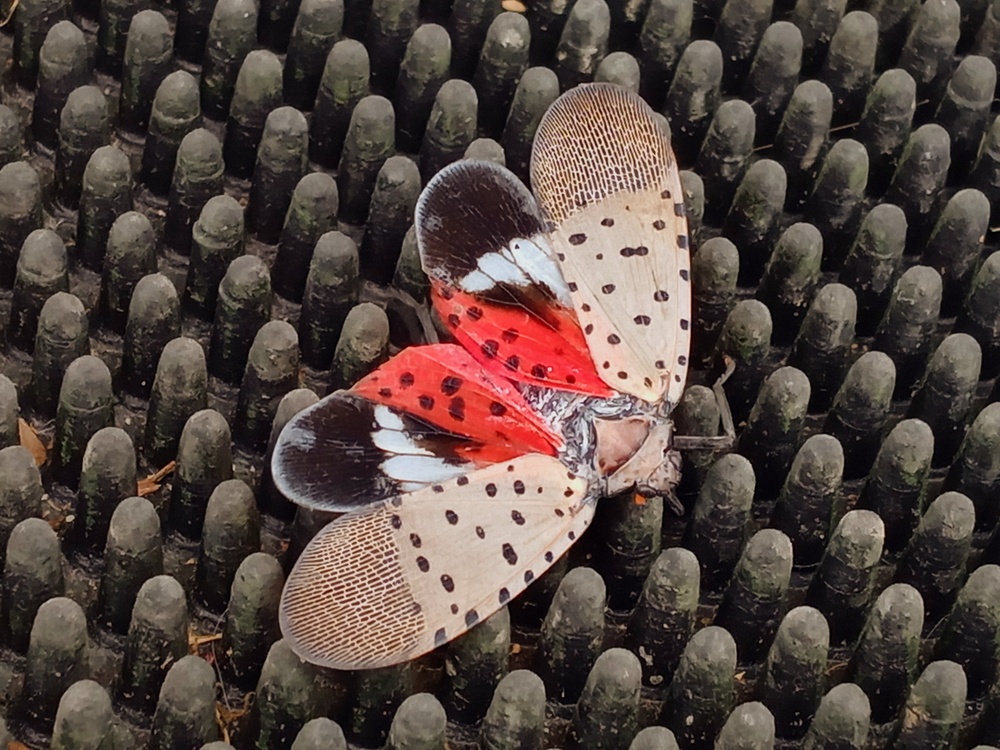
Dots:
pixel 509 554
pixel 634 252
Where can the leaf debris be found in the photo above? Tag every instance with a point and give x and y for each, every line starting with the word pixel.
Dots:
pixel 29 439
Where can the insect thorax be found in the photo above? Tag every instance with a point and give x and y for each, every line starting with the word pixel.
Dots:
pixel 618 443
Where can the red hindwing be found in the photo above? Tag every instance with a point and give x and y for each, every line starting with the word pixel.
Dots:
pixel 541 347
pixel 443 385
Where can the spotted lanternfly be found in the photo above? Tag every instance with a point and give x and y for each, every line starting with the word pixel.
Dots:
pixel 465 470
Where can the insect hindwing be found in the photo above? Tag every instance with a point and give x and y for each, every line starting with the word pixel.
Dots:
pixel 392 582
pixel 428 414
pixel 494 281
pixel 606 178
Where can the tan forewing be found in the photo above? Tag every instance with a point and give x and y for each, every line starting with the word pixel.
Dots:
pixel 606 178
pixel 386 585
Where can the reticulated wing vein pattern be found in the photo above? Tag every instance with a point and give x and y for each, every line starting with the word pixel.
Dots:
pixel 606 178
pixel 387 584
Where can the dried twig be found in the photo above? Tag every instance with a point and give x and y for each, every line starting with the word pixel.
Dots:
pixel 149 485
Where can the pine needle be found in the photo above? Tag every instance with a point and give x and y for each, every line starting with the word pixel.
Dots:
pixel 10 13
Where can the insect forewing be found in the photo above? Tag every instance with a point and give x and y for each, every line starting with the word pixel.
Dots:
pixel 389 583
pixel 605 176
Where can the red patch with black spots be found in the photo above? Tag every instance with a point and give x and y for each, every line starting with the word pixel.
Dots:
pixel 541 346
pixel 446 387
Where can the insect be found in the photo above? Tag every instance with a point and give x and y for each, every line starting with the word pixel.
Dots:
pixel 464 470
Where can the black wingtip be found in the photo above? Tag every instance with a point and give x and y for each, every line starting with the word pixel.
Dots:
pixel 469 208
pixel 324 458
